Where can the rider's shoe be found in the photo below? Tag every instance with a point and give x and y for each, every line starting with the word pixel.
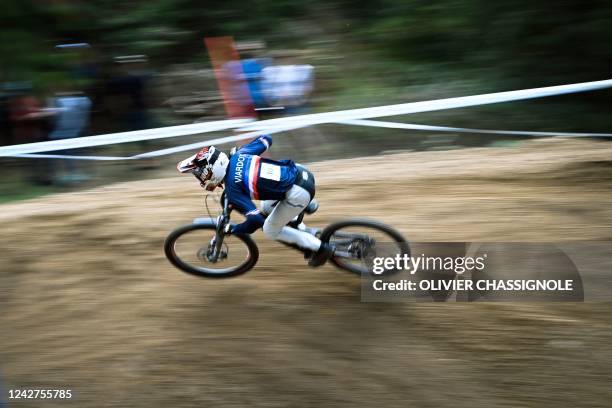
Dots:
pixel 322 255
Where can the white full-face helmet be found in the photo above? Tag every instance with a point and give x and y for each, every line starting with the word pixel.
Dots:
pixel 209 165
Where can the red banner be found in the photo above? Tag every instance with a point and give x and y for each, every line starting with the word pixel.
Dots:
pixel 230 77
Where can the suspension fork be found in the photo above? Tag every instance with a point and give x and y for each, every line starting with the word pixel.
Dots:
pixel 222 221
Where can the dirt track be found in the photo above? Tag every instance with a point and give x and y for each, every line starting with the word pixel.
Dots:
pixel 90 303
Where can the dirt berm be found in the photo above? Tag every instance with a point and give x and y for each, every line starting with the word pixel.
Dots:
pixel 89 303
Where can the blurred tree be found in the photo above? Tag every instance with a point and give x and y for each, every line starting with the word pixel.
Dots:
pixel 520 42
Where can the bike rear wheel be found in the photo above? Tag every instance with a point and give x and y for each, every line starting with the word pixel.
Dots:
pixel 187 248
pixel 358 241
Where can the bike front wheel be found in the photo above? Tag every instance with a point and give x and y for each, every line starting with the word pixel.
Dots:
pixel 358 241
pixel 188 248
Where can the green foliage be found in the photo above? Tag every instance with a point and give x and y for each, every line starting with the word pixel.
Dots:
pixel 511 42
pixel 536 40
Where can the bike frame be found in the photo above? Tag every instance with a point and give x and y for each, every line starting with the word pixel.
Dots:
pixel 221 222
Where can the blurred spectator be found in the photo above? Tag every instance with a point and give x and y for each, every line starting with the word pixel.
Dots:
pixel 29 124
pixel 288 84
pixel 252 69
pixel 27 115
pixel 255 83
pixel 127 93
pixel 239 94
pixel 72 112
pixel 128 99
pixel 241 75
pixel 82 59
pixel 6 137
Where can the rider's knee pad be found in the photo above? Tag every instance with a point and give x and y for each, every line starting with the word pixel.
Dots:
pixel 312 207
pixel 271 231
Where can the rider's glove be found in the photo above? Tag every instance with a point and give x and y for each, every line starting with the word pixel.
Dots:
pixel 227 230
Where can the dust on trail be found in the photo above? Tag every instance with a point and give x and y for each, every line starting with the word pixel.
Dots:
pixel 90 303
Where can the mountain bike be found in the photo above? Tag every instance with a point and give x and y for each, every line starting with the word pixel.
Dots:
pixel 202 248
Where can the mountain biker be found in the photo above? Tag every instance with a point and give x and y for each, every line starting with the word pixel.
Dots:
pixel 246 177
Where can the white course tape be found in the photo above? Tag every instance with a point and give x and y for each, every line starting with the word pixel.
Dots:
pixel 411 126
pixel 294 122
pixel 221 140
pixel 156 153
pixel 70 157
pixel 427 106
pixel 124 137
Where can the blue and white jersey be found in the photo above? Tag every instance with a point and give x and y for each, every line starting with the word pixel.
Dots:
pixel 251 177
